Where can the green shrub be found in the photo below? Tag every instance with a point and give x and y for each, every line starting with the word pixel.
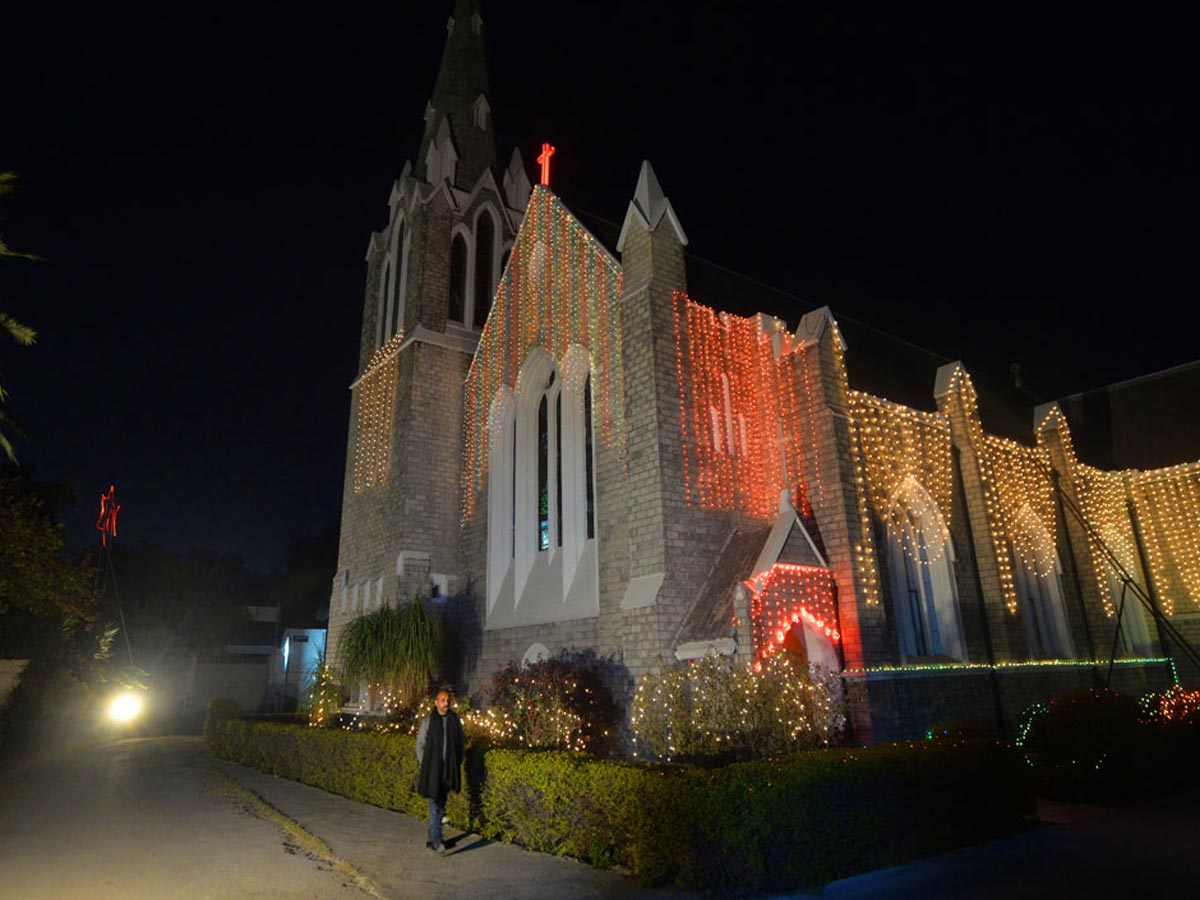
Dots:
pixel 800 820
pixel 370 767
pixel 776 824
pixel 1096 746
pixel 561 703
pixel 714 710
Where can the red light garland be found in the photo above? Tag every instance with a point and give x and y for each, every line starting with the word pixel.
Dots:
pixel 739 413
pixel 786 595
pixel 106 523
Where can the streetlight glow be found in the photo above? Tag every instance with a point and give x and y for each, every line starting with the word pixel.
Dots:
pixel 125 707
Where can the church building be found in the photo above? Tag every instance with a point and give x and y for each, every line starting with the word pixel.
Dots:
pixel 558 435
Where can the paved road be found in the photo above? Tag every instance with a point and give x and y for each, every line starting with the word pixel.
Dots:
pixel 158 818
pixel 145 818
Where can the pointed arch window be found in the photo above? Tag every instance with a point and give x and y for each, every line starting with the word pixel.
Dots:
pixel 1038 577
pixel 589 472
pixel 385 291
pixel 542 558
pixel 1134 636
pixel 458 279
pixel 543 474
pixel 399 271
pixel 485 235
pixel 921 565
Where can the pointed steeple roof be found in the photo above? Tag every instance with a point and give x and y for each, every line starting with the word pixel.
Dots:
pixel 462 80
pixel 648 207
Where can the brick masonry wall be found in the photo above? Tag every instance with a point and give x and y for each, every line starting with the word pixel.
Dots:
pixel 665 533
pixel 418 508
pixel 836 497
pixel 904 705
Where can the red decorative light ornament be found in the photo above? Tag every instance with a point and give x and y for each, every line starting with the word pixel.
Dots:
pixel 544 159
pixel 106 523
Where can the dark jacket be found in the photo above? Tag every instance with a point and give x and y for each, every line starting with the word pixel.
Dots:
pixel 440 749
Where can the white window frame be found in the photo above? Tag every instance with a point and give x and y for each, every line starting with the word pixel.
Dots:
pixel 1039 590
pixel 527 584
pixel 919 544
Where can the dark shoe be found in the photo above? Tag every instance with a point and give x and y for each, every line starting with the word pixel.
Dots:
pixel 429 845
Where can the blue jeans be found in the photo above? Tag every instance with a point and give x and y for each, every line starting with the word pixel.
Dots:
pixel 437 809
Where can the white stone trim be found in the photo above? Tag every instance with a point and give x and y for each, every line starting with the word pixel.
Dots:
pixel 642 591
pixel 701 649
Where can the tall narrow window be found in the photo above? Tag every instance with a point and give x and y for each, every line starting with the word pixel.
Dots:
pixel 513 542
pixel 1037 576
pixel 543 472
pixel 544 562
pixel 587 458
pixel 385 290
pixel 921 562
pixel 458 279
pixel 917 619
pixel 558 464
pixel 484 235
pixel 397 286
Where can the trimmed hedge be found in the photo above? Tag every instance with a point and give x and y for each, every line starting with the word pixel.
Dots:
pixel 380 769
pixel 795 821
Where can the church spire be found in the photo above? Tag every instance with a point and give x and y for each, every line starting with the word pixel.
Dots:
pixel 459 140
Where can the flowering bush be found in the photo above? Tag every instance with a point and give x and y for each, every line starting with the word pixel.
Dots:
pixel 712 709
pixel 324 697
pixel 561 704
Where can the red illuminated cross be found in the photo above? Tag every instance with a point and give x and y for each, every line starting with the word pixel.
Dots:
pixel 106 524
pixel 544 159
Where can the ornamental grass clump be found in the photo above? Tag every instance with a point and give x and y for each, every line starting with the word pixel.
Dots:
pixel 393 651
pixel 712 710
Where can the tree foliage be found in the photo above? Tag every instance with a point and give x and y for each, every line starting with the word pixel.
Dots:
pixel 19 332
pixel 38 586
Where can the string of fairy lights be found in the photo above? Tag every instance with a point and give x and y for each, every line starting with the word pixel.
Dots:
pixel 560 288
pixel 787 595
pixel 1024 497
pixel 865 563
pixel 899 443
pixel 376 416
pixel 961 400
pixel 1102 500
pixel 712 706
pixel 1167 502
pixel 738 410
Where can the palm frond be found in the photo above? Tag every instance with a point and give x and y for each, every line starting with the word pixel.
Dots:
pixel 396 649
pixel 20 332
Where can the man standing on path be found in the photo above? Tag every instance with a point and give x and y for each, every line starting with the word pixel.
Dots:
pixel 440 750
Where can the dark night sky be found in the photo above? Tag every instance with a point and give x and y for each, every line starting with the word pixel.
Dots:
pixel 202 187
